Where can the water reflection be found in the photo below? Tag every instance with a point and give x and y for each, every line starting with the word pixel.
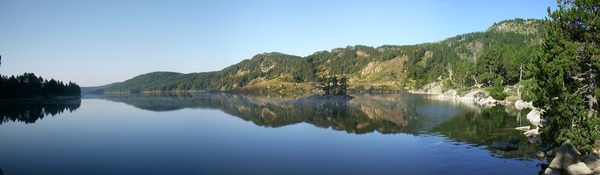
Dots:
pixel 31 111
pixel 388 114
pixel 362 115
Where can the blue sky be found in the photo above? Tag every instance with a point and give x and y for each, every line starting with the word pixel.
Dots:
pixel 99 42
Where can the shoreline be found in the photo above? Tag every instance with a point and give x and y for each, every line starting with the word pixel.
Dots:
pixel 40 99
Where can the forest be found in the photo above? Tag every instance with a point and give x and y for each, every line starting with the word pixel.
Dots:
pixel 29 85
pixel 504 52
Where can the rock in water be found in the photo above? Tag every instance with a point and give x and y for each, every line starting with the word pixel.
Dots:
pixel 504 146
pixel 523 128
pixel 579 169
pixel 535 117
pixel 513 139
pixel 540 154
pixel 566 155
pixel 532 133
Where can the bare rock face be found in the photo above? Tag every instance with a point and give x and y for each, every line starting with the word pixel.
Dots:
pixel 566 155
pixel 579 169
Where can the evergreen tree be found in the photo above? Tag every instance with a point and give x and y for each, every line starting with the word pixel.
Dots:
pixel 497 91
pixel 568 74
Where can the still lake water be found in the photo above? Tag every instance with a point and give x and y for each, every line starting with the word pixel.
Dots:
pixel 230 134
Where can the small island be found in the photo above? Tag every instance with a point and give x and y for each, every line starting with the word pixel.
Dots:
pixel 333 88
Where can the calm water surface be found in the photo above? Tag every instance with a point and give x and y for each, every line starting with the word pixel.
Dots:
pixel 230 134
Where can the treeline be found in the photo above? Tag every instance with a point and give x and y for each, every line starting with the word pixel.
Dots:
pixel 29 85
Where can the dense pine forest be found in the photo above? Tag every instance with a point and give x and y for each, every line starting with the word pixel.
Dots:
pixel 503 53
pixel 29 85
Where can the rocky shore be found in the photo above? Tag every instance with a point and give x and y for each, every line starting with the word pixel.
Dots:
pixel 563 160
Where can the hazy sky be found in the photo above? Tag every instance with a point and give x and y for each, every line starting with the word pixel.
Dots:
pixel 104 41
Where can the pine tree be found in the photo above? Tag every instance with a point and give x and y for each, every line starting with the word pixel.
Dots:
pixel 568 74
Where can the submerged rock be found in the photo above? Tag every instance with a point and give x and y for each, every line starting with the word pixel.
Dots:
pixel 504 146
pixel 566 155
pixel 513 139
pixel 535 140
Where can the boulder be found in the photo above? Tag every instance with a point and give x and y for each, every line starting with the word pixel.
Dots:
pixel 566 155
pixel 535 117
pixel 504 146
pixel 551 153
pixel 520 104
pixel 523 128
pixel 591 160
pixel 596 171
pixel 540 154
pixel 513 139
pixel 532 133
pixel 550 171
pixel 535 140
pixel 579 169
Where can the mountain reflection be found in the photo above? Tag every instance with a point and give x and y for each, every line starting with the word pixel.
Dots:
pixel 361 115
pixel 31 111
pixel 388 114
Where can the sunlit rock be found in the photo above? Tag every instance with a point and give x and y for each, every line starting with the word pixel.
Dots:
pixel 535 117
pixel 532 133
pixel 523 128
pixel 578 169
pixel 520 104
pixel 550 171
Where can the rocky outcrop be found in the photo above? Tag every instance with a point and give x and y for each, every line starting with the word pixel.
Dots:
pixel 565 157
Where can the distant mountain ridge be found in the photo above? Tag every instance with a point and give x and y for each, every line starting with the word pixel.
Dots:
pixel 460 61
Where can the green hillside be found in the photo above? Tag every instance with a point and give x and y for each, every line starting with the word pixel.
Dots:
pixel 504 51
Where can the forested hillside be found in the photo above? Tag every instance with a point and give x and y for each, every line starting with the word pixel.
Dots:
pixel 501 53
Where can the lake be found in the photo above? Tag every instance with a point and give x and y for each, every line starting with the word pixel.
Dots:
pixel 234 134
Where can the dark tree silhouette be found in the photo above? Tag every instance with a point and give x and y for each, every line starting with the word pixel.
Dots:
pixel 30 86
